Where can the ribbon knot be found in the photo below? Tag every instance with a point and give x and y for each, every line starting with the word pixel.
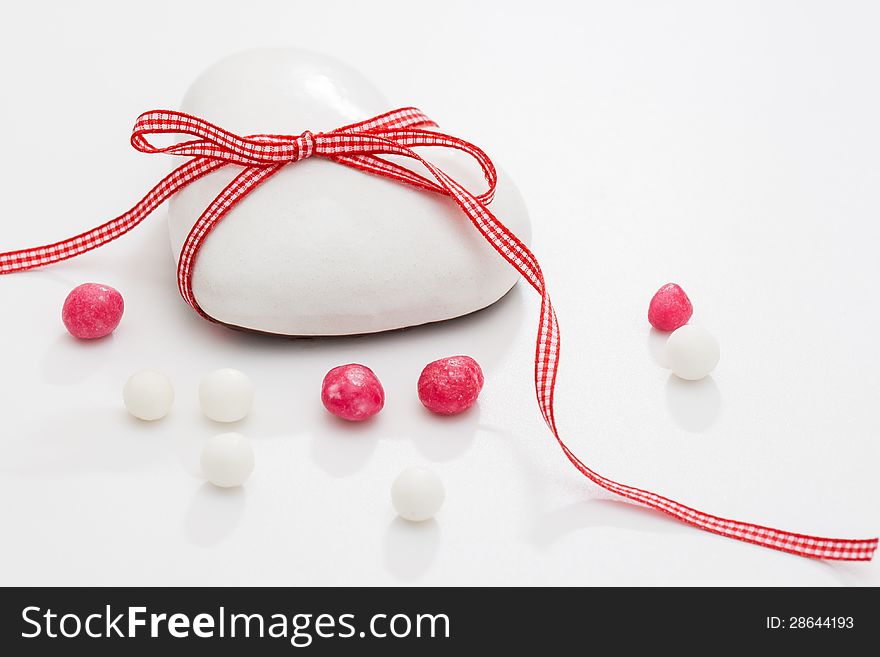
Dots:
pixel 361 146
pixel 305 146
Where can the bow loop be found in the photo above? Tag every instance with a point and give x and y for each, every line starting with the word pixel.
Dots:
pixel 216 143
pixel 360 145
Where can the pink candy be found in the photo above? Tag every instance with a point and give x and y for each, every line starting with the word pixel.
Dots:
pixel 670 308
pixel 352 392
pixel 450 385
pixel 92 311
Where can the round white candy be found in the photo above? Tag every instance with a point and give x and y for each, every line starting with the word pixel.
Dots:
pixel 417 494
pixel 227 460
pixel 226 395
pixel 692 352
pixel 148 395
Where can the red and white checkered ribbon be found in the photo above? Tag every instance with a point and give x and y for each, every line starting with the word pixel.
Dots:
pixel 360 146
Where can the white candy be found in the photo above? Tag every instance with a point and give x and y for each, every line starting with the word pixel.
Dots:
pixel 417 494
pixel 148 395
pixel 227 460
pixel 226 395
pixel 692 352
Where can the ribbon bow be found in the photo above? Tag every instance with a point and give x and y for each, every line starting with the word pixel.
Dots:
pixel 360 146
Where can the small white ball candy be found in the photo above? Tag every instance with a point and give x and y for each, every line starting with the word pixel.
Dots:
pixel 227 460
pixel 692 352
pixel 226 395
pixel 148 395
pixel 417 494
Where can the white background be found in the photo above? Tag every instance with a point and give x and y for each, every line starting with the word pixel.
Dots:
pixel 731 147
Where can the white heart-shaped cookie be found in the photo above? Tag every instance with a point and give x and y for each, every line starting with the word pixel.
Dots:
pixel 322 249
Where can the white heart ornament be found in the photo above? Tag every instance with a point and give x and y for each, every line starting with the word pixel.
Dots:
pixel 322 249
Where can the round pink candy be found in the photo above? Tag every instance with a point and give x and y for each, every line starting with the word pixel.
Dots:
pixel 92 310
pixel 450 385
pixel 670 308
pixel 352 392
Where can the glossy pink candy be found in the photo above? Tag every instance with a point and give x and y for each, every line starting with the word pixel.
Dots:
pixel 670 308
pixel 92 310
pixel 352 392
pixel 450 385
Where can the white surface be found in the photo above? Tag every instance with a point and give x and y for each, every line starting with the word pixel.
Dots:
pixel 728 147
pixel 310 260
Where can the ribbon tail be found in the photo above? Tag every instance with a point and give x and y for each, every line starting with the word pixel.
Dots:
pixel 31 258
pixel 243 184
pixel 546 365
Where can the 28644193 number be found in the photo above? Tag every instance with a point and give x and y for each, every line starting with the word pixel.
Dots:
pixel 810 622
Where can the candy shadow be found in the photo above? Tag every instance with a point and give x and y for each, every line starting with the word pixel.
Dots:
pixel 657 346
pixel 694 405
pixel 69 360
pixel 342 448
pixel 213 514
pixel 410 547
pixel 445 437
